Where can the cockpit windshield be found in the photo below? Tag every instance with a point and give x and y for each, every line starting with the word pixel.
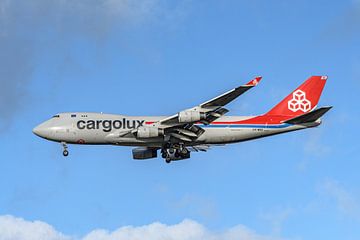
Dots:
pixel 56 116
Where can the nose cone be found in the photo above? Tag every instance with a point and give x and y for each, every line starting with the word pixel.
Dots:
pixel 39 131
pixel 43 130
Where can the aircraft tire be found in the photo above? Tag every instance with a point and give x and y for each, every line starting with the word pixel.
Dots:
pixel 184 151
pixel 66 153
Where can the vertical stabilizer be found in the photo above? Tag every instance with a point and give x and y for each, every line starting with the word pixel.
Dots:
pixel 302 100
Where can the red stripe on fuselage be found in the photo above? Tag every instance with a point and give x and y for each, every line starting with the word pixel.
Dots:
pixel 264 119
pixel 275 119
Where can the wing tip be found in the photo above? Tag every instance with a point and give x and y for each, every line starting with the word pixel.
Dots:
pixel 255 81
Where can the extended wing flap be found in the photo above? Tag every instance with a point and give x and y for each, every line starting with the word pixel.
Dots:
pixel 186 132
pixel 203 147
pixel 181 137
pixel 212 116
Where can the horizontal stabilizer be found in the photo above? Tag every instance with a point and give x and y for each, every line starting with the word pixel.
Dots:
pixel 309 117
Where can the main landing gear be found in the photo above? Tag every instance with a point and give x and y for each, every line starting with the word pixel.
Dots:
pixel 172 152
pixel 65 152
pixel 167 153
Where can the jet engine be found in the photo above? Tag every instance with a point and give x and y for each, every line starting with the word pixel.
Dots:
pixel 144 153
pixel 191 116
pixel 149 132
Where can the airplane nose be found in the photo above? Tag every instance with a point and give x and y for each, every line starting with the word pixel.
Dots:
pixel 43 130
pixel 39 131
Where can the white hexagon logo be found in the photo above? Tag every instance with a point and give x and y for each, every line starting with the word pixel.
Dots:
pixel 299 102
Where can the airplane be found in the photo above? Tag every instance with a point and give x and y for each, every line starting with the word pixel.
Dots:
pixel 191 130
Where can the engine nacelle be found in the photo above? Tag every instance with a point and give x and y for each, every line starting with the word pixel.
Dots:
pixel 149 132
pixel 191 116
pixel 144 153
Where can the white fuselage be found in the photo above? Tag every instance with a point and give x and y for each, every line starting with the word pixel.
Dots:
pixel 98 128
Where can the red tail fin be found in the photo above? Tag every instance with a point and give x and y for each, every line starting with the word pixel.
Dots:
pixel 302 100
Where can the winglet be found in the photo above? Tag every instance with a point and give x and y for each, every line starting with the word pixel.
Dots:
pixel 254 82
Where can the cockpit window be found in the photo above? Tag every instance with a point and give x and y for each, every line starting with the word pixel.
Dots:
pixel 56 116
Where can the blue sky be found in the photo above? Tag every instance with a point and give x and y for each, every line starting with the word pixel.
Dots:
pixel 158 57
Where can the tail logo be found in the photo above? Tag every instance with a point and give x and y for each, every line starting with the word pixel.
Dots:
pixel 299 102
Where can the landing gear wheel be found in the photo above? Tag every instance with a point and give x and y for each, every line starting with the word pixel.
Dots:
pixel 168 160
pixel 184 151
pixel 65 153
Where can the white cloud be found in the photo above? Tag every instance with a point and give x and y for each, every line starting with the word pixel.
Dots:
pixel 195 205
pixel 241 232
pixel 314 149
pixel 31 29
pixel 185 230
pixel 344 199
pixel 314 146
pixel 12 228
pixel 277 217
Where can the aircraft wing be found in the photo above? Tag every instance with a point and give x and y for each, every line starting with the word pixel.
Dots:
pixel 213 108
pixel 229 96
pixel 182 125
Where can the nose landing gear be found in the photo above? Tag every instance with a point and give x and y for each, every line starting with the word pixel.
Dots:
pixel 65 152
